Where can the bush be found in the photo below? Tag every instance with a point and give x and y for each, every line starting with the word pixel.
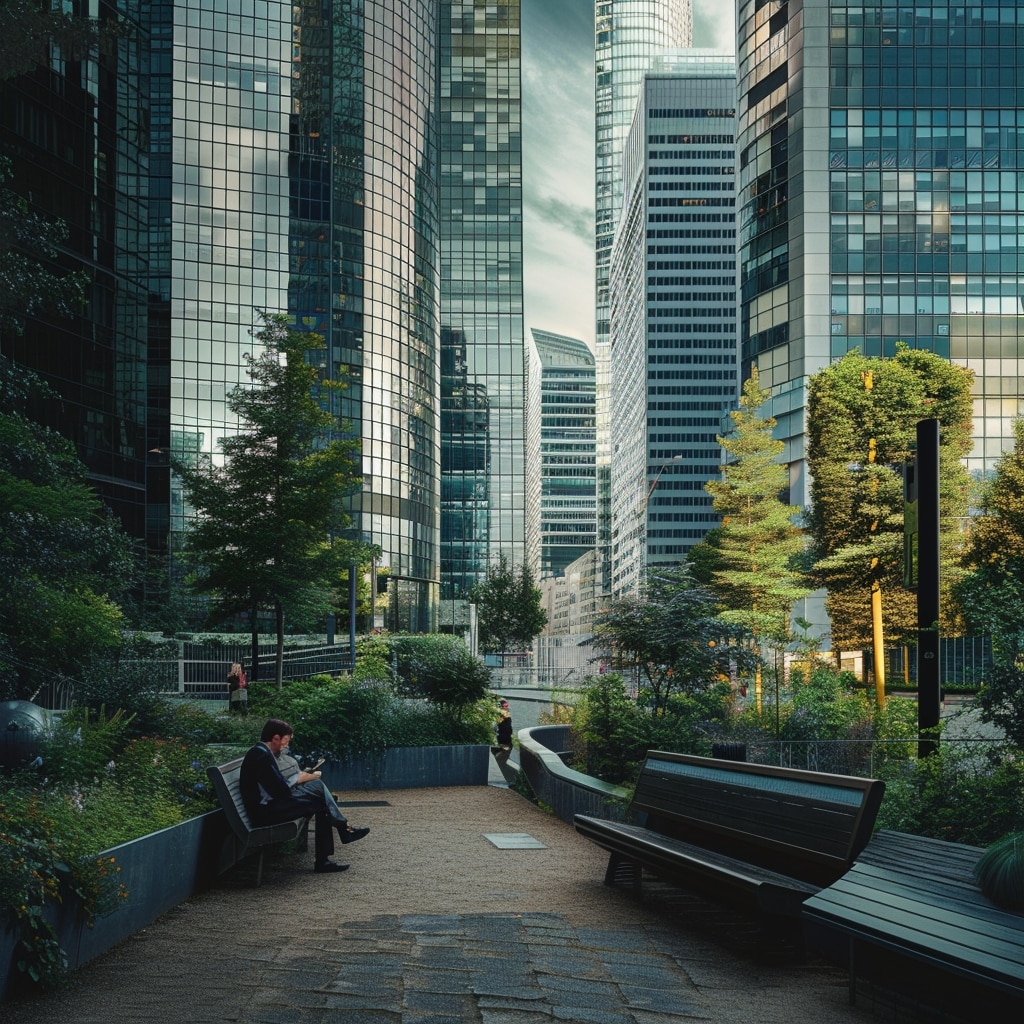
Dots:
pixel 1000 872
pixel 609 729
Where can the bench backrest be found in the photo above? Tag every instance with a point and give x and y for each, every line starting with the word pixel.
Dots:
pixel 225 784
pixel 809 825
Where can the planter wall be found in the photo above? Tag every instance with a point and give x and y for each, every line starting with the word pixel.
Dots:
pixel 565 791
pixel 412 768
pixel 159 871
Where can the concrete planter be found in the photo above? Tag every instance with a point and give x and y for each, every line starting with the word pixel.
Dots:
pixel 412 768
pixel 159 871
pixel 565 791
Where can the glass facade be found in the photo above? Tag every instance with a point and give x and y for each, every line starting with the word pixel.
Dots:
pixel 295 170
pixel 674 347
pixel 627 35
pixel 564 449
pixel 905 167
pixel 76 134
pixel 483 489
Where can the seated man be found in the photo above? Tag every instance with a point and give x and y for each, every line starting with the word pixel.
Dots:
pixel 269 800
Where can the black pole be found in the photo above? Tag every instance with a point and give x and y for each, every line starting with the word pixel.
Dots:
pixel 928 692
pixel 352 615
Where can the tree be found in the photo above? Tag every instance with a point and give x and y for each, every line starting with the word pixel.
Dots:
pixel 64 558
pixel 267 518
pixel 671 637
pixel 509 611
pixel 991 595
pixel 862 419
pixel 28 30
pixel 28 244
pixel 751 559
pixel 441 670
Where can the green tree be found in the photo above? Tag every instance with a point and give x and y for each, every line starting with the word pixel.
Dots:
pixel 440 669
pixel 509 611
pixel 671 638
pixel 64 558
pixel 752 558
pixel 991 595
pixel 267 517
pixel 29 28
pixel 862 419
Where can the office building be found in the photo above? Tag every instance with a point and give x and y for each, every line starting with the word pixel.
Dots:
pixel 628 34
pixel 483 472
pixel 882 197
pixel 881 147
pixel 74 132
pixel 294 169
pixel 674 352
pixel 563 451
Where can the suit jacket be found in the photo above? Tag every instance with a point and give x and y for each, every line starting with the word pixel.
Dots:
pixel 264 791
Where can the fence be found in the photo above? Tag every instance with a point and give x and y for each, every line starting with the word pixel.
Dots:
pixel 201 670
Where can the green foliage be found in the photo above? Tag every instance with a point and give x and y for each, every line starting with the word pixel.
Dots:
pixel 611 729
pixel 509 608
pixel 28 28
pixel 752 558
pixel 439 668
pixel 1000 872
pixel 827 705
pixel 671 637
pixel 692 720
pixel 959 794
pixel 862 419
pixel 268 519
pixel 63 556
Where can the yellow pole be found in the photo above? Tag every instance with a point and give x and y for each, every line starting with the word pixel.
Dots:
pixel 877 639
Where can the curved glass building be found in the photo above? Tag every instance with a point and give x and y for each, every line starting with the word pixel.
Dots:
pixel 294 170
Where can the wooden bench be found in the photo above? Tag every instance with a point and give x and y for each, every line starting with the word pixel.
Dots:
pixel 248 838
pixel 763 837
pixel 910 914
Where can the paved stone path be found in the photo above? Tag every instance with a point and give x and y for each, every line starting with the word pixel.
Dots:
pixel 433 924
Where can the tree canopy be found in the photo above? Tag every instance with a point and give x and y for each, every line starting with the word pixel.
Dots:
pixel 671 637
pixel 64 558
pixel 509 608
pixel 753 558
pixel 269 513
pixel 862 416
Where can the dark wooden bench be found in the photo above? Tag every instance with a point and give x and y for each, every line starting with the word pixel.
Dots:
pixel 249 838
pixel 762 837
pixel 910 905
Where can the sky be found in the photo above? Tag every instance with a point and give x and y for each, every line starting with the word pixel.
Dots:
pixel 558 155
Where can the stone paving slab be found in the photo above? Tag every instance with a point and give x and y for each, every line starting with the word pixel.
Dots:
pixel 434 925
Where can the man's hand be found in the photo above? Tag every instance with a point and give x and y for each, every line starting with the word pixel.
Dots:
pixel 308 777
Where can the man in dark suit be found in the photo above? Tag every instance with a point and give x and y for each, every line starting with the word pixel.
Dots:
pixel 269 800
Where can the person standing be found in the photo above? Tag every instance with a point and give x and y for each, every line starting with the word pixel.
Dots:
pixel 269 800
pixel 238 690
pixel 504 726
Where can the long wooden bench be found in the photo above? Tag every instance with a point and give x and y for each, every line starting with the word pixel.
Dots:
pixel 759 836
pixel 911 914
pixel 250 838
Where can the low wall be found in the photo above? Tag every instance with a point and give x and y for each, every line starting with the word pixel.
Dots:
pixel 566 791
pixel 412 768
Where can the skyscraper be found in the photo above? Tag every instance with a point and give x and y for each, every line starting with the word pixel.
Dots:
pixel 627 35
pixel 880 154
pixel 565 449
pixel 74 132
pixel 674 351
pixel 483 486
pixel 295 170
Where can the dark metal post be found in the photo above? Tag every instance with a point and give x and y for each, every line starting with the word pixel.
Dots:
pixel 928 691
pixel 352 569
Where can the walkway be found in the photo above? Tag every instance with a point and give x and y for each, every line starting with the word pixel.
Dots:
pixel 435 924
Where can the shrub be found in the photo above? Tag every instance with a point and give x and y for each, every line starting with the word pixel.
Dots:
pixel 1000 872
pixel 611 730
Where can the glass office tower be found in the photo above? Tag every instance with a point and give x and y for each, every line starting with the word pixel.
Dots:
pixel 627 35
pixel 881 175
pixel 295 170
pixel 674 350
pixel 483 489
pixel 75 134
pixel 565 449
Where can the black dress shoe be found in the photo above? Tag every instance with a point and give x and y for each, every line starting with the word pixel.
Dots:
pixel 328 867
pixel 350 835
